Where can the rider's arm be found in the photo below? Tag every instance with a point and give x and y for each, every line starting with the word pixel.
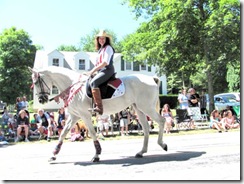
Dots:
pixel 98 67
pixel 105 60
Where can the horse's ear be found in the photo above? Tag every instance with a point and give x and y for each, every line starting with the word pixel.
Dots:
pixel 32 70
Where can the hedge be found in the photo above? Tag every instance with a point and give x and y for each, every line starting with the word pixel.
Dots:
pixel 169 99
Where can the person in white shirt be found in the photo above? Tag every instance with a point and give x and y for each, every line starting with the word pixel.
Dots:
pixel 25 103
pixel 103 124
pixel 183 99
pixel 103 67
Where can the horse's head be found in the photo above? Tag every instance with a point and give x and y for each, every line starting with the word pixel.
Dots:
pixel 43 91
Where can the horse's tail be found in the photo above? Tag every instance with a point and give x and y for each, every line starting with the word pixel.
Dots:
pixel 157 81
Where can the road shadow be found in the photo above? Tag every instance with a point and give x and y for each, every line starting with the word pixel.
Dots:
pixel 148 159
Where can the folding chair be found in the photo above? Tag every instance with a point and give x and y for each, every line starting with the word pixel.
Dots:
pixel 183 120
pixel 200 121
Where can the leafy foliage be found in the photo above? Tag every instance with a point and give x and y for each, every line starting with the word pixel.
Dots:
pixel 194 38
pixel 16 55
pixel 68 48
pixel 87 43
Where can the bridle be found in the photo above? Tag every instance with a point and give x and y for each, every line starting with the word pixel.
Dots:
pixel 66 95
pixel 43 95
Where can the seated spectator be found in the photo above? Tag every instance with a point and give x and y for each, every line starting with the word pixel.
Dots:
pixel 76 134
pixel 5 116
pixel 23 124
pixel 82 128
pixel 103 124
pixel 44 125
pixel 12 124
pixel 33 125
pixel 61 120
pixel 2 137
pixel 233 112
pixel 150 122
pixel 53 123
pixel 167 114
pixel 229 120
pixel 215 121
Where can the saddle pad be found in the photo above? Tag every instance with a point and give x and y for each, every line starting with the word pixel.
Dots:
pixel 114 83
pixel 119 87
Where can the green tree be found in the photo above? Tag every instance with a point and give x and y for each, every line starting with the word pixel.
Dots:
pixel 233 75
pixel 87 43
pixel 188 36
pixel 68 48
pixel 16 55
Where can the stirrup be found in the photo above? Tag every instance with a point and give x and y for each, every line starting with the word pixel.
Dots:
pixel 95 110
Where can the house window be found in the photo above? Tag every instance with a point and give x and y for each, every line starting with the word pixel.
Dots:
pixel 149 68
pixel 128 65
pixel 136 66
pixel 82 64
pixel 54 90
pixel 55 62
pixel 143 67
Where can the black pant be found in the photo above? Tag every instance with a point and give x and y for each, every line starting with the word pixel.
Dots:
pixel 101 77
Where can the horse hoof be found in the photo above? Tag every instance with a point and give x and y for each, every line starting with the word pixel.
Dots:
pixel 96 159
pixel 52 159
pixel 138 155
pixel 165 147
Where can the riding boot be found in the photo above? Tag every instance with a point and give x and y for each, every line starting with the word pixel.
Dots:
pixel 97 100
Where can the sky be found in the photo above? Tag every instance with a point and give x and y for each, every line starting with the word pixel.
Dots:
pixel 51 23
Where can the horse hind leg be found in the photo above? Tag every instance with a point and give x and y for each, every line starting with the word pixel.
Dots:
pixel 145 127
pixel 161 121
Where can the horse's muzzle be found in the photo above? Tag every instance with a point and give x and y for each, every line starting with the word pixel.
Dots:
pixel 43 98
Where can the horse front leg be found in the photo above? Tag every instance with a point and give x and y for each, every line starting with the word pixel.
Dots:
pixel 69 124
pixel 96 143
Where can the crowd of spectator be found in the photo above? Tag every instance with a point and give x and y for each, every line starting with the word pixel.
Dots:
pixel 21 125
pixel 221 121
pixel 44 124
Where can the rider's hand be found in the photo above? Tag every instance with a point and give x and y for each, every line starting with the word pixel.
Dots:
pixel 87 73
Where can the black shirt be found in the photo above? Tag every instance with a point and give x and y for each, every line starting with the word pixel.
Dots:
pixel 23 121
pixel 191 97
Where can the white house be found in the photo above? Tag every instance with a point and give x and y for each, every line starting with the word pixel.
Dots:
pixel 83 61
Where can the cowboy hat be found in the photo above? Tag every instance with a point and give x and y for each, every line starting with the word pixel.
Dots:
pixel 104 34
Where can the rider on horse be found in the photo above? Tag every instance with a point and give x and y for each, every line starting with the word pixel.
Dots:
pixel 104 67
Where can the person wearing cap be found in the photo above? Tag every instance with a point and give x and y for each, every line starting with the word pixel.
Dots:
pixel 194 98
pixel 104 67
pixel 23 124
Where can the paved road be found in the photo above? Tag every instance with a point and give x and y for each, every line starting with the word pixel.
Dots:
pixel 212 156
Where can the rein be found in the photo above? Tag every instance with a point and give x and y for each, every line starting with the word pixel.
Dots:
pixel 43 84
pixel 68 94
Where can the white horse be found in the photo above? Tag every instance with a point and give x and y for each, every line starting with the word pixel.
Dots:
pixel 141 91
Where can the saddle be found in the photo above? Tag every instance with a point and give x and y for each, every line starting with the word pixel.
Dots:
pixel 107 88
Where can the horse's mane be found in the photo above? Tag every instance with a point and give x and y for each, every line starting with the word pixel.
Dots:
pixel 73 75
